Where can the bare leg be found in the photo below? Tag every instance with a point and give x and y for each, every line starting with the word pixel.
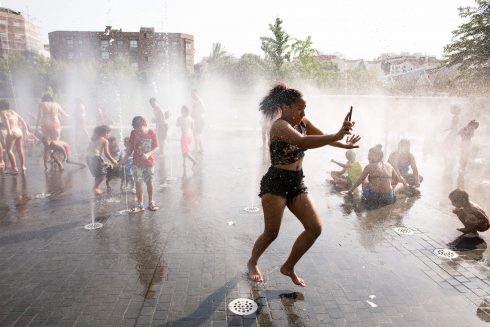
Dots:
pixel 97 182
pixel 303 208
pixel 19 146
pixel 2 163
pixel 194 162
pixel 149 189
pixel 10 153
pixel 139 192
pixel 273 207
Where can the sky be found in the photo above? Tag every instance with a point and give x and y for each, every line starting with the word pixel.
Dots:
pixel 359 29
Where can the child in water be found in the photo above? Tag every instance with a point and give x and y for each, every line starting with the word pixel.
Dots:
pixel 186 124
pixel 143 144
pixel 402 161
pixel 466 134
pixel 59 152
pixel 469 213
pixel 353 169
pixel 128 179
pixel 114 171
pixel 99 145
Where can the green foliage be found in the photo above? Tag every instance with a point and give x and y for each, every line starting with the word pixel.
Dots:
pixel 277 48
pixel 470 46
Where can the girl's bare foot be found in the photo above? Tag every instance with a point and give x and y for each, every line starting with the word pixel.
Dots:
pixel 98 191
pixel 292 274
pixel 254 273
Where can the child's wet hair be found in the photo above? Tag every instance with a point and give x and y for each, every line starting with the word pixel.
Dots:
pixel 153 100
pixel 350 154
pixel 404 143
pixel 459 195
pixel 474 124
pixel 138 121
pixel 47 98
pixel 100 131
pixel 377 150
pixel 184 110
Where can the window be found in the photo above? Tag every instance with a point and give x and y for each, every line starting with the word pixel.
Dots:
pixel 69 42
pixel 105 55
pixel 3 22
pixel 188 57
pixel 3 35
pixel 188 44
pixel 104 44
pixel 80 43
pixel 145 35
pixel 147 58
pixel 19 37
pixel 135 65
pixel 17 24
pixel 133 44
pixel 120 44
pixel 161 44
pixel 70 55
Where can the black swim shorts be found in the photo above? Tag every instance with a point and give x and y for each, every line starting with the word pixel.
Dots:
pixel 284 183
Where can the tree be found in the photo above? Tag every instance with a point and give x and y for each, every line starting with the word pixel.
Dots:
pixel 303 48
pixel 217 54
pixel 277 48
pixel 470 46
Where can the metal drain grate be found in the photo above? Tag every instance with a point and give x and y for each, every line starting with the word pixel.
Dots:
pixel 252 209
pixel 403 231
pixel 93 226
pixel 42 195
pixel 445 254
pixel 243 307
pixel 112 200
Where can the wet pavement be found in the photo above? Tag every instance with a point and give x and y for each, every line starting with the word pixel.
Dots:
pixel 182 265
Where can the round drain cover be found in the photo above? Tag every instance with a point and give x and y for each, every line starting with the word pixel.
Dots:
pixel 252 209
pixel 93 226
pixel 403 231
pixel 242 306
pixel 445 254
pixel 42 195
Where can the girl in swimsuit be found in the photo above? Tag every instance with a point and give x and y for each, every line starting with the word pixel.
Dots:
pixel 378 190
pixel 15 135
pixel 402 161
pixel 48 118
pixel 282 186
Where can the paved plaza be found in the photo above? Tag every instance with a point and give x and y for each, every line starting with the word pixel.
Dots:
pixel 182 265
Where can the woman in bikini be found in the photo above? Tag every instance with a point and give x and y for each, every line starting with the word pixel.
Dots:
pixel 378 191
pixel 48 117
pixel 14 136
pixel 282 186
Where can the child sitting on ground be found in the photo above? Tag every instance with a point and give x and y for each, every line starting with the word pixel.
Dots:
pixel 469 213
pixel 59 152
pixel 353 169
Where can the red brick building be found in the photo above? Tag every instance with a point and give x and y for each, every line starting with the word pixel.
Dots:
pixel 146 50
pixel 18 33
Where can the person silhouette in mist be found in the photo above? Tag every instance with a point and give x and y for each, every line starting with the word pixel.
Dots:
pixel 282 186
